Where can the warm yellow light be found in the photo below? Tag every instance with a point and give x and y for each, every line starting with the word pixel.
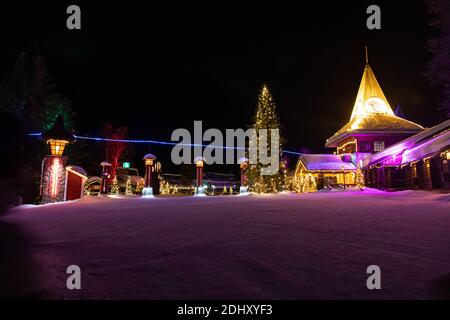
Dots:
pixel 448 155
pixel 148 162
pixel 348 143
pixel 370 98
pixel 57 146
pixel 355 125
pixel 199 163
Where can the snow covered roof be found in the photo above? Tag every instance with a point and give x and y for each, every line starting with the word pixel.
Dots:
pixel 374 123
pixel 242 160
pixel 423 144
pixel 325 162
pixel 93 179
pixel 78 170
pixel 149 156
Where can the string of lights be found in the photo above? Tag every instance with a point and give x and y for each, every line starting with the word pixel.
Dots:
pixel 170 143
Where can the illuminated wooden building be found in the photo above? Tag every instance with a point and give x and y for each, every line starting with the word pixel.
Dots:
pixel 419 162
pixel 372 127
pixel 336 170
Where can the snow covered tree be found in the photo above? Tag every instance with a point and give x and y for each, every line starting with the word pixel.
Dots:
pixel 129 187
pixel 438 68
pixel 266 117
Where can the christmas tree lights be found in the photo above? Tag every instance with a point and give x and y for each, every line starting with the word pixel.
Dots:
pixel 359 178
pixel 129 187
pixel 266 117
pixel 115 187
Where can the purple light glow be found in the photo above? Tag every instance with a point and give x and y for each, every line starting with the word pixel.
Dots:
pixel 395 160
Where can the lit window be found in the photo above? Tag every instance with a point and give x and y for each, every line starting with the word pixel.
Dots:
pixel 378 146
pixel 414 170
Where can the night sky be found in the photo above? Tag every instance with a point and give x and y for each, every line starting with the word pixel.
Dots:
pixel 157 67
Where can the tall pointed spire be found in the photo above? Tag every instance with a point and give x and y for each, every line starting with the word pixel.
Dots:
pixel 371 112
pixel 367 55
pixel 370 98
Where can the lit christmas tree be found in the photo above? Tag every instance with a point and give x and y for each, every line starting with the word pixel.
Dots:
pixel 265 118
pixel 115 186
pixel 359 178
pixel 304 184
pixel 310 183
pixel 164 187
pixel 129 187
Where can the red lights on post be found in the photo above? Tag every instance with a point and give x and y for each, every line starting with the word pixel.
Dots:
pixel 53 166
pixel 54 177
pixel 199 163
pixel 106 175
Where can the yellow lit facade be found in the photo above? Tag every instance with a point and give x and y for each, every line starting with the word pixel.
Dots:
pixel 331 177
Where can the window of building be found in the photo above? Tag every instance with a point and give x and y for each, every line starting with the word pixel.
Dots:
pixel 414 170
pixel 365 146
pixel 378 146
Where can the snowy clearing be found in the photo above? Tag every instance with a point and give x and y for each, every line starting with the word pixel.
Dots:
pixel 285 246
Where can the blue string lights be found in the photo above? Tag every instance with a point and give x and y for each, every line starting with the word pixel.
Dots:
pixel 168 143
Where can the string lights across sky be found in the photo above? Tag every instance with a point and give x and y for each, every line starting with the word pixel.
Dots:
pixel 170 143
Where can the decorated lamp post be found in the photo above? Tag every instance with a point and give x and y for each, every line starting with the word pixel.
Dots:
pixel 243 164
pixel 149 160
pixel 199 164
pixel 106 175
pixel 53 166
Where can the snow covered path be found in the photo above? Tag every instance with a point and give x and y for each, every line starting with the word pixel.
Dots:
pixel 287 246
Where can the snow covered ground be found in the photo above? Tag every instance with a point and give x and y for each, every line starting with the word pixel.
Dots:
pixel 286 246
